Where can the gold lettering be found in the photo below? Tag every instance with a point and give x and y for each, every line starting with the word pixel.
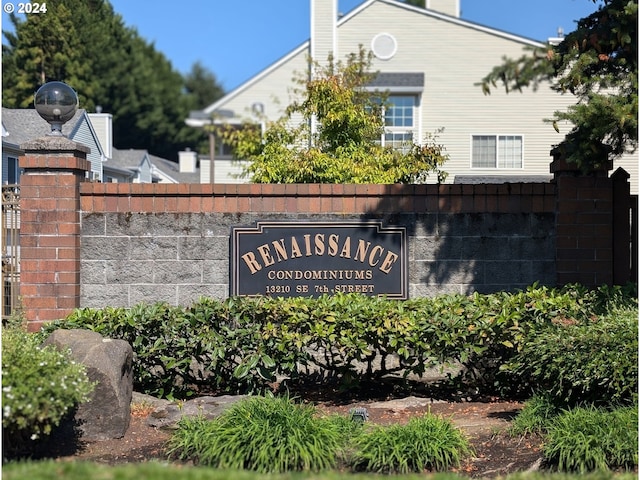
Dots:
pixel 265 253
pixel 281 251
pixel 361 251
pixel 377 250
pixel 295 249
pixel 319 241
pixel 388 262
pixel 250 259
pixel 307 244
pixel 346 248
pixel 333 244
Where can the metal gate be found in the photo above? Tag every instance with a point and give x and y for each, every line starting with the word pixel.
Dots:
pixel 10 250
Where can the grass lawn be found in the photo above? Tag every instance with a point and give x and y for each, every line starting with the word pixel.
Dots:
pixel 52 470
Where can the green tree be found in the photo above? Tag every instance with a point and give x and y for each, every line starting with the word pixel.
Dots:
pixel 598 63
pixel 202 89
pixel 202 86
pixel 338 139
pixel 87 45
pixel 416 3
pixel 35 56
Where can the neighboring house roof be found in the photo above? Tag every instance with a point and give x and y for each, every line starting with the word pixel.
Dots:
pixel 25 124
pixel 131 160
pixel 172 170
pixel 474 179
pixel 21 125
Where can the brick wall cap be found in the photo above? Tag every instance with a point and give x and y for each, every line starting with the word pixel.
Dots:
pixel 53 143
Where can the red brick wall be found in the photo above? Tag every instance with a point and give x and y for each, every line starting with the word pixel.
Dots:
pixel 317 198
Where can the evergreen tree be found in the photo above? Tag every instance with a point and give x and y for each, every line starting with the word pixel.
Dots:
pixel 202 89
pixel 202 86
pixel 598 63
pixel 86 44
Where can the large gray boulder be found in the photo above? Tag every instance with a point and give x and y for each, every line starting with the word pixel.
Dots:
pixel 109 364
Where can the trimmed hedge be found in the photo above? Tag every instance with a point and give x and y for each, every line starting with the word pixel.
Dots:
pixel 244 344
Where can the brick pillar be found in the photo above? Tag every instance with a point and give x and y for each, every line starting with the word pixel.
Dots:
pixel 54 167
pixel 584 227
pixel 621 227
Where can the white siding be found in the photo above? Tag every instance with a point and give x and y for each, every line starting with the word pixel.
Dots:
pixel 450 7
pixel 83 135
pixel 103 126
pixel 274 90
pixel 229 171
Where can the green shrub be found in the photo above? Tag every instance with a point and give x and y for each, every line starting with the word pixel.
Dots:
pixel 586 439
pixel 424 443
pixel 267 435
pixel 243 345
pixel 39 387
pixel 594 362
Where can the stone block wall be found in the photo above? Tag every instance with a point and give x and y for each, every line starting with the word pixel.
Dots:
pixel 147 243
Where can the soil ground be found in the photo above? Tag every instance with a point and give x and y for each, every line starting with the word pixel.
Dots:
pixel 484 422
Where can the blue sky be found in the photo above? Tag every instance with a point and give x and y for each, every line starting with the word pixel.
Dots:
pixel 235 39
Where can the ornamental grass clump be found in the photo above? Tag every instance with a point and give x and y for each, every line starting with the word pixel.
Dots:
pixel 424 443
pixel 266 435
pixel 588 439
pixel 535 416
pixel 40 386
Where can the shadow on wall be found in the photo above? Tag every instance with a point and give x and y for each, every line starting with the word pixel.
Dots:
pixel 458 252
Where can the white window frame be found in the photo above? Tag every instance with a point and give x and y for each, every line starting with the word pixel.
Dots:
pixel 499 150
pixel 404 130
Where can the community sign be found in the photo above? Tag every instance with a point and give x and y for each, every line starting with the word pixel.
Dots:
pixel 309 259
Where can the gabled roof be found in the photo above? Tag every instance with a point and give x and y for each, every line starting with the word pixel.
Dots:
pixel 172 170
pixel 25 124
pixel 130 161
pixel 345 18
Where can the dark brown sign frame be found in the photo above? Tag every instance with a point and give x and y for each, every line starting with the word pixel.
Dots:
pixel 309 259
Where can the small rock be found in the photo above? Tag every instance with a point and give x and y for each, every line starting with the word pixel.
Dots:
pixel 168 415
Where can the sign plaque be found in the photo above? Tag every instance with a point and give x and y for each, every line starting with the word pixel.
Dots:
pixel 309 259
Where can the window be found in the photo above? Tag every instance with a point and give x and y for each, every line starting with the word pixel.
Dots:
pixel 398 121
pixel 496 151
pixel 13 172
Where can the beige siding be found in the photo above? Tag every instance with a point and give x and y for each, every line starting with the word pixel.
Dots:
pixel 450 7
pixel 454 56
pixel 323 31
pixel 274 90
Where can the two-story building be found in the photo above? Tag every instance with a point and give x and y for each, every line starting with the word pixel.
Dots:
pixel 430 61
